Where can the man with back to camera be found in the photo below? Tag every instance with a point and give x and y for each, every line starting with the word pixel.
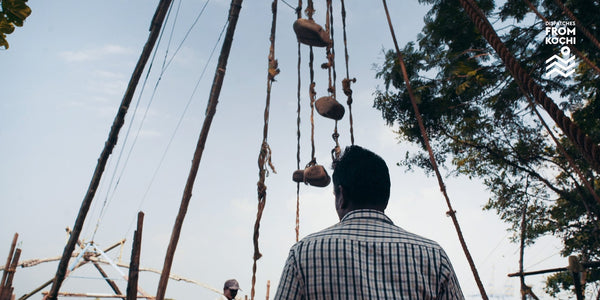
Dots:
pixel 365 256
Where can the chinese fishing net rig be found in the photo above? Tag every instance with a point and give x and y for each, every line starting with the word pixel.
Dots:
pixel 309 33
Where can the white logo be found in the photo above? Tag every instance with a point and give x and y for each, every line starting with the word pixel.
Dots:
pixel 564 65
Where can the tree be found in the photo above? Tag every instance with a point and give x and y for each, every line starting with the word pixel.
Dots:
pixel 482 124
pixel 13 13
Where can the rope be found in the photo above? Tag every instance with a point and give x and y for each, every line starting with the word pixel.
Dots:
pixel 346 81
pixel 118 122
pixel 569 159
pixel 297 227
pixel 289 5
pixel 164 67
pixel 211 108
pixel 110 195
pixel 312 94
pixel 310 10
pixel 590 150
pixel 572 47
pixel 578 24
pixel 330 53
pixel 311 90
pixel 179 122
pixel 330 66
pixel 264 156
pixel 561 149
pixel 451 212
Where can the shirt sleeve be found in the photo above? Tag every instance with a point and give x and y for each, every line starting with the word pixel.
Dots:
pixel 290 283
pixel 450 288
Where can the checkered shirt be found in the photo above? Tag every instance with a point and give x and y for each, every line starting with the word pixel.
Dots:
pixel 365 256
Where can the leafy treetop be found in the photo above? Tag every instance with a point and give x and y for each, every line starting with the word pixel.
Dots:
pixel 13 13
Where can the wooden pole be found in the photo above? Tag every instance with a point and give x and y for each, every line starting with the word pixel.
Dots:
pixel 234 11
pixel 268 288
pixel 8 260
pixel 576 268
pixel 91 295
pixel 134 264
pixel 524 287
pixel 451 212
pixel 7 290
pixel 155 26
pixel 47 283
pixel 110 282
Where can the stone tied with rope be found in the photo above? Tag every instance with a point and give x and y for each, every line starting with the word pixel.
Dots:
pixel 310 33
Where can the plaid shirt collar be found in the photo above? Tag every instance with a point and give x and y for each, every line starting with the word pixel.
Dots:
pixel 371 214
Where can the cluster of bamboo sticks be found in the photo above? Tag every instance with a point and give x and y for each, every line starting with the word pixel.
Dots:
pixel 6 289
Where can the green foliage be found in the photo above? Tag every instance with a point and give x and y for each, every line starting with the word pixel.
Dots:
pixel 13 13
pixel 482 125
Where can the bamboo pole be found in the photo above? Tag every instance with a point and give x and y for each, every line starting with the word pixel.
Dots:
pixel 268 288
pixel 8 260
pixel 234 10
pixel 110 282
pixel 451 212
pixel 47 283
pixel 134 264
pixel 155 27
pixel 7 291
pixel 576 268
pixel 92 295
pixel 592 264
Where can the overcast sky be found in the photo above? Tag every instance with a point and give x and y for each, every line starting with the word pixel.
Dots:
pixel 64 77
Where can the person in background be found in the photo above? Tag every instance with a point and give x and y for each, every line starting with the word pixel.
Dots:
pixel 230 290
pixel 366 256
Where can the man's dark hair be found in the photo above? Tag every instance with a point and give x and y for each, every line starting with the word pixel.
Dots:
pixel 364 177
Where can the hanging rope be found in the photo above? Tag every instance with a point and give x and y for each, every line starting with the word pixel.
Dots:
pixel 311 90
pixel 297 228
pixel 312 95
pixel 330 66
pixel 451 212
pixel 310 10
pixel 346 81
pixel 590 63
pixel 264 157
pixel 590 150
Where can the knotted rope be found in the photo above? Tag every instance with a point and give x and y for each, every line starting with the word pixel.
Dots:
pixel 264 156
pixel 346 81
pixel 589 149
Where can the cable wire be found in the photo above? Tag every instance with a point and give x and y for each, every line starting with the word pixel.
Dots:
pixel 181 117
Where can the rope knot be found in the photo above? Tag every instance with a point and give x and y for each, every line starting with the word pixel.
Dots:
pixel 346 86
pixel 273 69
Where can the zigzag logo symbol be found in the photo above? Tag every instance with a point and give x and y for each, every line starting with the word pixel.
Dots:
pixel 566 65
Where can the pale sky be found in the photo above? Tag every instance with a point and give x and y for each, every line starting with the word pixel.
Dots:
pixel 63 79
